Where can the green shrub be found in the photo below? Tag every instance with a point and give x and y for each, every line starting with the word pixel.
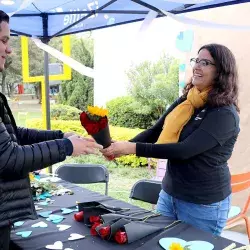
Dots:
pixel 117 134
pixel 122 113
pixel 64 112
pixel 65 126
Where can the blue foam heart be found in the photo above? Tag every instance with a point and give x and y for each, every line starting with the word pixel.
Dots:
pixel 193 245
pixel 55 217
pixel 167 242
pixel 180 35
pixel 182 84
pixel 43 203
pixel 42 197
pixel 67 210
pixel 38 177
pixel 47 194
pixel 57 220
pixel 182 67
pixel 184 40
pixel 18 223
pixel 45 214
pixel 24 234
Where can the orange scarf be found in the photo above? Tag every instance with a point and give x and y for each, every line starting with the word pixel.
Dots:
pixel 180 115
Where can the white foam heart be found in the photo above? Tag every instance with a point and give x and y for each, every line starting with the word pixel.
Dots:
pixel 40 224
pixel 76 237
pixel 38 208
pixel 63 227
pixel 58 245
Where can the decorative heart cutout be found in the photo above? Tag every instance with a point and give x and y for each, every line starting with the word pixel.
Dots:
pixel 41 197
pixel 63 227
pixel 24 234
pixel 40 224
pixel 76 237
pixel 38 208
pixel 184 41
pixel 55 218
pixel 67 210
pixel 180 35
pixel 58 245
pixel 57 221
pixel 193 245
pixel 47 194
pixel 45 214
pixel 18 223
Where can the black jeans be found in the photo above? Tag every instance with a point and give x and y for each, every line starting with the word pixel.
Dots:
pixel 5 238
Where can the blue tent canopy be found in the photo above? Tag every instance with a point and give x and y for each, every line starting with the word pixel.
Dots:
pixel 50 18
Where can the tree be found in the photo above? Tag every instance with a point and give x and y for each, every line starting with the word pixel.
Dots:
pixel 12 74
pixel 154 85
pixel 79 91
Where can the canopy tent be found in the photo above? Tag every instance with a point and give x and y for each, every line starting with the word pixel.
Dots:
pixel 52 18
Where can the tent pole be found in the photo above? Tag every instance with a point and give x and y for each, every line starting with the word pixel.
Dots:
pixel 46 74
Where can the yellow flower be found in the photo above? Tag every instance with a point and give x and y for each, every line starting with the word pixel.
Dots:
pixel 94 110
pixel 176 246
pixel 32 177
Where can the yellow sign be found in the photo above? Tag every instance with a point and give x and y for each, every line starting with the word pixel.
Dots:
pixel 29 79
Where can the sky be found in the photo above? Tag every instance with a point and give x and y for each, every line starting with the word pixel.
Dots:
pixel 137 46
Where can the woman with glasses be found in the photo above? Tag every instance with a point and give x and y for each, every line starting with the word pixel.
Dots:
pixel 197 135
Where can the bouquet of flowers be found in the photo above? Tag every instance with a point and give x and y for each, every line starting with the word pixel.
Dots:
pixel 111 224
pixel 95 122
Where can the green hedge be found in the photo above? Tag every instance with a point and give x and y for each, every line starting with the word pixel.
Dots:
pixel 64 112
pixel 122 113
pixel 117 134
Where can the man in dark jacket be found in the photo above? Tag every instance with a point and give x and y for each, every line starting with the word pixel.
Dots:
pixel 25 150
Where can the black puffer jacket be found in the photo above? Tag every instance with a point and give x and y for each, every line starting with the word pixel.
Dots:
pixel 22 151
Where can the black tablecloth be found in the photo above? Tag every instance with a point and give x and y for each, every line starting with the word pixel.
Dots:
pixel 41 237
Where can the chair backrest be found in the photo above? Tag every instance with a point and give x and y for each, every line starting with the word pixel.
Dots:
pixel 240 182
pixel 146 190
pixel 84 174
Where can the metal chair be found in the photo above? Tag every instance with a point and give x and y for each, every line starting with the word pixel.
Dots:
pixel 146 190
pixel 84 174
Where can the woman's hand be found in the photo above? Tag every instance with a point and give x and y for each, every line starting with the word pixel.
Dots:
pixel 118 149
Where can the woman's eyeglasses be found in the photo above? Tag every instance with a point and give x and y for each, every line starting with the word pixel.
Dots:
pixel 201 63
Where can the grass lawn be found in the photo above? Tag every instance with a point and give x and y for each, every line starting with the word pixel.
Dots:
pixel 22 118
pixel 121 182
pixel 121 179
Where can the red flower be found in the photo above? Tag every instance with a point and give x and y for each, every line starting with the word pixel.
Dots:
pixel 79 216
pixel 103 123
pixel 93 219
pixel 121 237
pixel 93 127
pixel 94 226
pixel 105 231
